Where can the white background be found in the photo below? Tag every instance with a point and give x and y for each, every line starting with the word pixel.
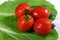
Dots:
pixel 56 3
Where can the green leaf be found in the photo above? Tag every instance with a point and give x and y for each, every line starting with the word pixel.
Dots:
pixel 8 25
pixel 10 6
pixel 9 31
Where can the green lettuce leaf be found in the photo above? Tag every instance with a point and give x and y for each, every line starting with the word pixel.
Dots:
pixel 8 26
pixel 9 31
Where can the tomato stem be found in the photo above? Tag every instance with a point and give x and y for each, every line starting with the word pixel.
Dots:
pixel 50 17
pixel 27 18
pixel 27 12
pixel 53 26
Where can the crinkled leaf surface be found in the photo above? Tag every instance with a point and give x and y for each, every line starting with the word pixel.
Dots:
pixel 8 26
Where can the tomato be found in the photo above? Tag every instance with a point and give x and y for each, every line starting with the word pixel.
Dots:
pixel 43 26
pixel 40 12
pixel 25 23
pixel 21 8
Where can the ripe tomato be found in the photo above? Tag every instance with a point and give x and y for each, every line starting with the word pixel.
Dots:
pixel 40 12
pixel 25 23
pixel 43 26
pixel 21 8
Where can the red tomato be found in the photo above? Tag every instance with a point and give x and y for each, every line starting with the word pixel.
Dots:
pixel 25 23
pixel 40 12
pixel 43 26
pixel 21 8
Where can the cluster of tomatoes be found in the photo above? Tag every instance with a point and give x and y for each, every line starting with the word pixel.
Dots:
pixel 36 18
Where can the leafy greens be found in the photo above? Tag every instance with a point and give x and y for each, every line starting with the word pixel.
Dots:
pixel 8 27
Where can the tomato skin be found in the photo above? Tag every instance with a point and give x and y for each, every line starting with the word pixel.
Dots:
pixel 40 12
pixel 25 25
pixel 43 26
pixel 21 8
